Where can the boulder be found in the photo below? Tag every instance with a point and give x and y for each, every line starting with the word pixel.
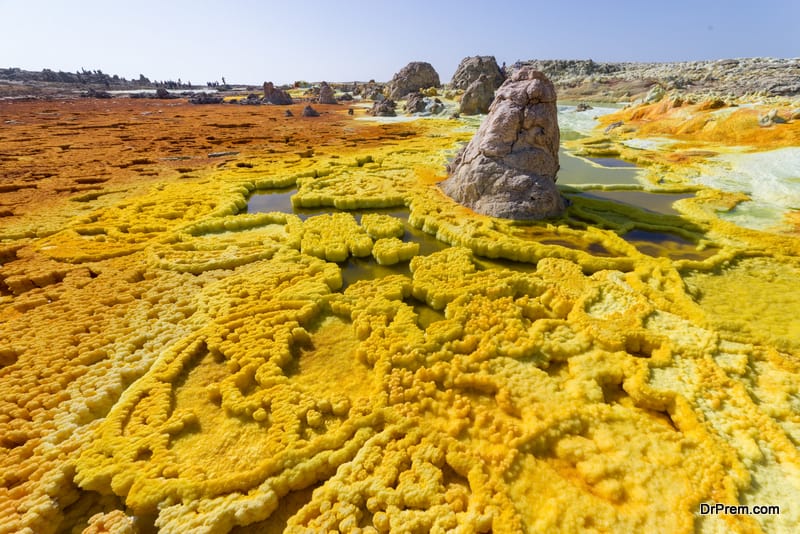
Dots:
pixel 434 106
pixel 419 104
pixel 308 111
pixel 413 77
pixel 478 96
pixel 509 167
pixel 383 108
pixel 470 69
pixel 326 94
pixel 415 102
pixel 251 100
pixel 273 95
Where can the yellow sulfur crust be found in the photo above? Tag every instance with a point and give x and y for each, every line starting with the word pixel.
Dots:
pixel 169 361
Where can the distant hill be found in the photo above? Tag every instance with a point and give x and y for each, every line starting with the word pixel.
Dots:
pixel 618 81
pixel 82 77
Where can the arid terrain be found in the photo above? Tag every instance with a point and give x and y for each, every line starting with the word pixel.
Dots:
pixel 230 318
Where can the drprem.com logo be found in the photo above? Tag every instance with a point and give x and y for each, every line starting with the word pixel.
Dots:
pixel 739 509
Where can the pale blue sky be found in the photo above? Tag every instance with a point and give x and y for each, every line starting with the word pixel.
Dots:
pixel 252 41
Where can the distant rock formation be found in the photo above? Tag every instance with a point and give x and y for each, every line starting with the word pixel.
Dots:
pixel 95 93
pixel 478 96
pixel 415 102
pixel 326 94
pixel 509 167
pixel 383 108
pixel 419 104
pixel 273 95
pixel 615 81
pixel 413 77
pixel 205 98
pixel 308 111
pixel 470 69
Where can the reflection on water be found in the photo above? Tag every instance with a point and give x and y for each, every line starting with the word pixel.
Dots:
pixel 355 269
pixel 653 202
pixel 611 162
pixel 578 171
pixel 264 201
pixel 574 170
pixel 662 244
pixel 281 200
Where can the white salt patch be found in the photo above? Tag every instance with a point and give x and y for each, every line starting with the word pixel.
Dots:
pixel 582 122
pixel 651 143
pixel 771 179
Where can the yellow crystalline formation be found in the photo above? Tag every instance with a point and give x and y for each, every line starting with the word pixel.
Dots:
pixel 390 250
pixel 169 362
pixel 595 386
pixel 334 237
pixel 379 226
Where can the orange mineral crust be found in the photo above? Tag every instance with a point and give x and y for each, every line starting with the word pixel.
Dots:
pixel 370 356
pixel 713 121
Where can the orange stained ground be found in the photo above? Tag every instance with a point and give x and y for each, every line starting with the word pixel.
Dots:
pixel 710 122
pixel 82 149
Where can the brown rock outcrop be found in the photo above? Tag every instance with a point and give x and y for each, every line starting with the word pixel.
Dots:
pixel 415 102
pixel 326 94
pixel 470 69
pixel 509 168
pixel 413 77
pixel 478 96
pixel 308 111
pixel 384 108
pixel 273 95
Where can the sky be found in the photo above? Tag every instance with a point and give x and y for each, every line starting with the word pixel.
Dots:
pixel 250 41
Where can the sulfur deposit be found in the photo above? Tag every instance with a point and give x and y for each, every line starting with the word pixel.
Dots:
pixel 172 360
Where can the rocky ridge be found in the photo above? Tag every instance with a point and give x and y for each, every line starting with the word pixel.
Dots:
pixel 617 81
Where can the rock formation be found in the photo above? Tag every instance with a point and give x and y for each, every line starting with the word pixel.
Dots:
pixel 478 96
pixel 273 95
pixel 326 95
pixel 470 69
pixel 419 104
pixel 308 111
pixel 95 93
pixel 383 108
pixel 413 77
pixel 509 168
pixel 616 81
pixel 415 102
pixel 205 98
